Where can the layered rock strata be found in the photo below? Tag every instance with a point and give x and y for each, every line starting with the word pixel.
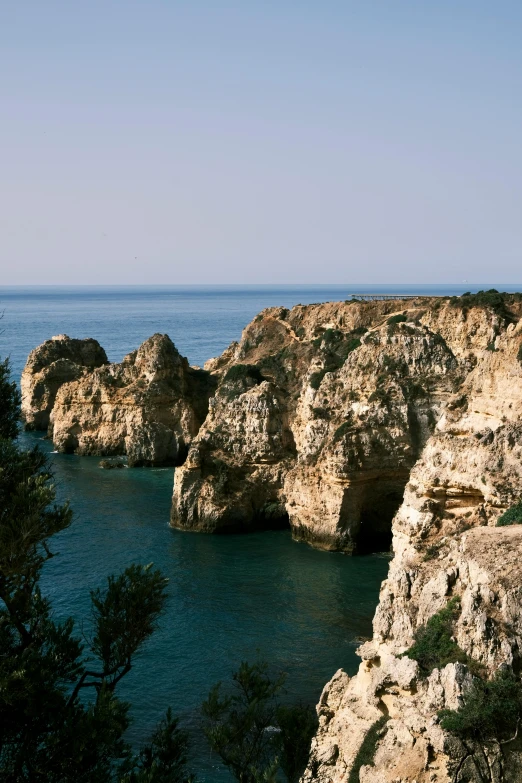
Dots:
pixel 446 544
pixel 148 407
pixel 321 412
pixel 57 361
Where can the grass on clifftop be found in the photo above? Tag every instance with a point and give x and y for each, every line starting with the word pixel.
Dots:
pixel 434 646
pixel 367 750
pixel 513 516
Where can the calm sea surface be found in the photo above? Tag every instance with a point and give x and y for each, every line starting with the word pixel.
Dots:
pixel 231 597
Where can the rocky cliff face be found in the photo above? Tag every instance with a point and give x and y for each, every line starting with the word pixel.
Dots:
pixel 148 407
pixel 446 544
pixel 321 413
pixel 336 419
pixel 55 362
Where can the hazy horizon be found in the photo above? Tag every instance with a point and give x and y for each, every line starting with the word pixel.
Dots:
pixel 259 143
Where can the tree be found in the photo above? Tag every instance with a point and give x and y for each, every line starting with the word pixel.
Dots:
pixel 489 716
pixel 252 733
pixel 60 718
pixel 297 724
pixel 9 403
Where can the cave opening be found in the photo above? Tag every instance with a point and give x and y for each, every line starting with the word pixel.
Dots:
pixel 375 521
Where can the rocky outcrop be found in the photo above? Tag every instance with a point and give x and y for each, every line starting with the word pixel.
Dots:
pixel 148 407
pixel 322 411
pixel 57 361
pixel 446 544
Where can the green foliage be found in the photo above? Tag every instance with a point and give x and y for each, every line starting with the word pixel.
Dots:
pixel 316 378
pixel 519 354
pixel 367 750
pixel 242 372
pixel 252 733
pixel 48 731
pixel 336 346
pixel 490 710
pixel 238 723
pixel 434 647
pixel 297 725
pixel 397 319
pixel 9 403
pixel 125 615
pixel 513 516
pixel 431 552
pixel 164 759
pixel 492 299
pixel 239 378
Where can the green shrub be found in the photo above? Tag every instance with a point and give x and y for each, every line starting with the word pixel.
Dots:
pixel 397 319
pixel 336 346
pixel 240 372
pixel 432 552
pixel 490 710
pixel 513 516
pixel 492 298
pixel 367 750
pixel 434 647
pixel 316 378
pixel 519 354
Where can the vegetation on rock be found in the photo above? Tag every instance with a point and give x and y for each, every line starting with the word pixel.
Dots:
pixel 488 719
pixel 367 750
pixel 513 516
pixel 491 298
pixel 400 318
pixel 434 646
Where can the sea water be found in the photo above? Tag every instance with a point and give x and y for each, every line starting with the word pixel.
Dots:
pixel 231 598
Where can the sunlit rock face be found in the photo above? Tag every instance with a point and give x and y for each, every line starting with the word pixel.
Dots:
pixel 148 407
pixel 322 411
pixel 57 361
pixel 446 544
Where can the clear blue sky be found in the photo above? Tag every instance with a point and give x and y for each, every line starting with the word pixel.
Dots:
pixel 261 141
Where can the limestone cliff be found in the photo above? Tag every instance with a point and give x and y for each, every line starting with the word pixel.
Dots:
pixel 321 412
pixel 148 407
pixel 55 362
pixel 445 544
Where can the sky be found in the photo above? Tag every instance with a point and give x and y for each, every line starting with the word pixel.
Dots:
pixel 262 141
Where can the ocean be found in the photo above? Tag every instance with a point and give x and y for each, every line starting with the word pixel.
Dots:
pixel 231 598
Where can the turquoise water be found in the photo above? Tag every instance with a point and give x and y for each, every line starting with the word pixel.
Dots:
pixel 231 597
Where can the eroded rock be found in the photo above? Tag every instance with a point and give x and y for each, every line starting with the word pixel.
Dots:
pixel 57 361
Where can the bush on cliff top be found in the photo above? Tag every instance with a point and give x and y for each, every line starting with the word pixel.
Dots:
pixel 434 646
pixel 492 298
pixel 397 319
pixel 513 516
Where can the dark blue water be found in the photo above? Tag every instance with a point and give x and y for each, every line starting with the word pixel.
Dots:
pixel 231 598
